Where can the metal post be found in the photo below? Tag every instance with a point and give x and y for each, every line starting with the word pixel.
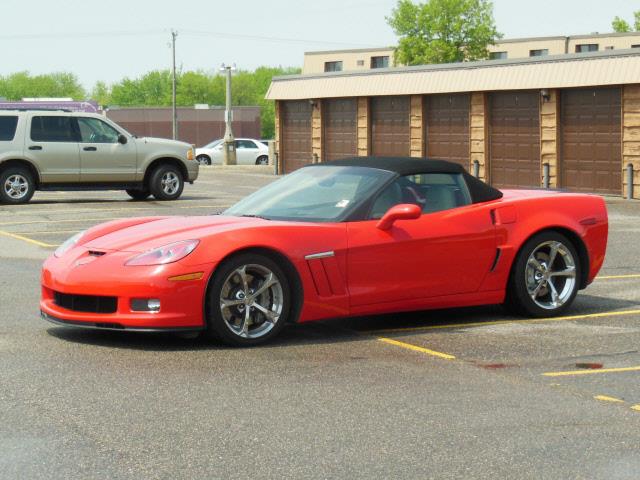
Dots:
pixel 476 168
pixel 174 112
pixel 630 181
pixel 276 163
pixel 229 141
pixel 545 175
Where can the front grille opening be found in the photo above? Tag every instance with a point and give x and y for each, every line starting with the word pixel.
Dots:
pixel 86 303
pixel 96 253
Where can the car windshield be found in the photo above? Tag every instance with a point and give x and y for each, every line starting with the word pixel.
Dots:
pixel 314 194
pixel 213 144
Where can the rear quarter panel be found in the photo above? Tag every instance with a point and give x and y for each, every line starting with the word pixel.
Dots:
pixel 522 214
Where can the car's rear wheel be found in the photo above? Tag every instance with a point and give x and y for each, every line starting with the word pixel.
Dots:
pixel 249 300
pixel 263 160
pixel 545 277
pixel 138 194
pixel 16 185
pixel 166 182
pixel 203 160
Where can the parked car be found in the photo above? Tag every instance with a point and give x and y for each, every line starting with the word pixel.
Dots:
pixel 248 152
pixel 360 236
pixel 59 150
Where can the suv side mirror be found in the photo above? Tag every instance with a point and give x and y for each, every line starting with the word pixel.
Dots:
pixel 122 139
pixel 403 211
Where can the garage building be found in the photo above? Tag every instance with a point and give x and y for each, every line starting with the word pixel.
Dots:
pixel 569 121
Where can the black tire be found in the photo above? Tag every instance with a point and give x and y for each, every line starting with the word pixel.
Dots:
pixel 138 194
pixel 263 160
pixel 160 189
pixel 203 160
pixel 218 327
pixel 523 281
pixel 17 185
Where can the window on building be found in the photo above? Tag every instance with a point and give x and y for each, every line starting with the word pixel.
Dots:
pixel 636 46
pixel 360 63
pixel 380 62
pixel 539 53
pixel 586 47
pixel 497 55
pixel 333 66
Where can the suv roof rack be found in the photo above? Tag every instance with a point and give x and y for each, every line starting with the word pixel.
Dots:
pixel 32 109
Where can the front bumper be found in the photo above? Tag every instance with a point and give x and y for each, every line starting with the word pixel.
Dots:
pixel 181 301
pixel 114 326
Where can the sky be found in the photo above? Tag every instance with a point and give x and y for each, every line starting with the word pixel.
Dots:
pixel 110 40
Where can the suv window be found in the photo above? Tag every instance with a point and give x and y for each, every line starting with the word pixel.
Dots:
pixel 432 192
pixel 93 130
pixel 8 128
pixel 53 129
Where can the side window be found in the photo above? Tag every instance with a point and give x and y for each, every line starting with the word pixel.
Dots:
pixel 8 128
pixel 432 192
pixel 93 130
pixel 245 144
pixel 52 129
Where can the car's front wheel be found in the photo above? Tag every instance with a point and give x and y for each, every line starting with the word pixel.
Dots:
pixel 262 160
pixel 249 300
pixel 166 182
pixel 545 277
pixel 16 185
pixel 203 160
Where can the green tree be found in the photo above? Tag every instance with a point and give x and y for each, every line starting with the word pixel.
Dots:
pixel 443 31
pixel 22 84
pixel 101 93
pixel 620 25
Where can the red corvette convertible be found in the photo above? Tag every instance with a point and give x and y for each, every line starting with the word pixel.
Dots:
pixel 356 236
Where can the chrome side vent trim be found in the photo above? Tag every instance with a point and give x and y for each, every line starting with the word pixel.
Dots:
pixel 319 255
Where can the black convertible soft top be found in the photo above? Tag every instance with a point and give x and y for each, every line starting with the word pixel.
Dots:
pixel 480 191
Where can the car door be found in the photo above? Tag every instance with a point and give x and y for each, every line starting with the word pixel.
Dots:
pixel 52 144
pixel 102 158
pixel 448 250
pixel 246 152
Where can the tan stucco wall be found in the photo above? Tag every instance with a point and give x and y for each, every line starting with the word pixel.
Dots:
pixel 521 49
pixel 316 131
pixel 363 126
pixel 416 127
pixel 549 137
pixel 479 133
pixel 631 136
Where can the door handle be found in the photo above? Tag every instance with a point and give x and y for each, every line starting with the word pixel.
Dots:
pixel 90 149
pixel 35 147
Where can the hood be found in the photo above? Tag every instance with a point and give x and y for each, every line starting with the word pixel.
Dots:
pixel 164 141
pixel 146 236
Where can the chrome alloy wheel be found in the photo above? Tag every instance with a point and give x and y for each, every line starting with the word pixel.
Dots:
pixel 251 301
pixel 170 183
pixel 16 186
pixel 550 275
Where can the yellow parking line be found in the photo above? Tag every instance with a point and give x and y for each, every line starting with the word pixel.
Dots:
pixel 591 371
pixel 616 277
pixel 605 398
pixel 26 239
pixel 616 313
pixel 636 407
pixel 416 348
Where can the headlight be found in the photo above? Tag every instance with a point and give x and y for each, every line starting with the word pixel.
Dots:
pixel 62 249
pixel 190 154
pixel 165 254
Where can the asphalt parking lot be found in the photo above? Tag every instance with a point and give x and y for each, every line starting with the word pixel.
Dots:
pixel 470 393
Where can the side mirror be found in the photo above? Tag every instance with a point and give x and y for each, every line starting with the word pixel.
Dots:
pixel 122 139
pixel 403 211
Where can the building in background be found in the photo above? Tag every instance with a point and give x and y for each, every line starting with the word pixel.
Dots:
pixel 370 58
pixel 575 116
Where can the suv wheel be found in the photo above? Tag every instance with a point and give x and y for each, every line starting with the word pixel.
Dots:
pixel 166 182
pixel 138 194
pixel 16 185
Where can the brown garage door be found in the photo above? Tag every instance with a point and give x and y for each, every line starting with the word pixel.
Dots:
pixel 591 150
pixel 447 128
pixel 340 128
pixel 514 141
pixel 390 126
pixel 295 150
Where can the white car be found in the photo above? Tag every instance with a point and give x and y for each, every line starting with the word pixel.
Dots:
pixel 248 152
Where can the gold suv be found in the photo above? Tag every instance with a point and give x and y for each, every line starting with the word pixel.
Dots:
pixel 57 150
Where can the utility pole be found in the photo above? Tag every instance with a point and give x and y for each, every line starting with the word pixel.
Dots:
pixel 229 141
pixel 174 111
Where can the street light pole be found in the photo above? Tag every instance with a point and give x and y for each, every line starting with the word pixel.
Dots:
pixel 174 111
pixel 229 141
